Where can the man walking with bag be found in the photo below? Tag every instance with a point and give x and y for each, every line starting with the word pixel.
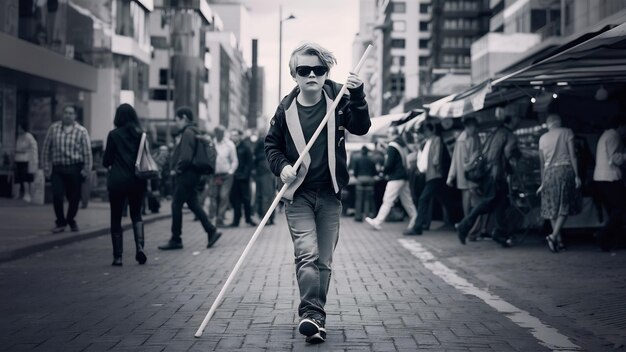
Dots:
pixel 186 182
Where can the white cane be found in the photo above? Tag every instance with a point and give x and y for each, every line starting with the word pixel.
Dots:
pixel 256 234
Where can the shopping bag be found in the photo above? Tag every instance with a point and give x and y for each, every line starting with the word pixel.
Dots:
pixel 145 166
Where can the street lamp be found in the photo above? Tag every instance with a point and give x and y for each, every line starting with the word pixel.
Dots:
pixel 280 47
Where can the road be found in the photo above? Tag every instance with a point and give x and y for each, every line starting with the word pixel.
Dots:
pixel 389 293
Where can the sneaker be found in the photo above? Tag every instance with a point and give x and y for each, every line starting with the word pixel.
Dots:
pixel 372 223
pixel 212 239
pixel 412 232
pixel 171 245
pixel 27 198
pixel 461 233
pixel 74 227
pixel 313 329
pixel 58 229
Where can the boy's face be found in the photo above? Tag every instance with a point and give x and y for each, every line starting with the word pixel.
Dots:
pixel 310 82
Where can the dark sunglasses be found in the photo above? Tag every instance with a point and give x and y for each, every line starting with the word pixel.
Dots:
pixel 304 71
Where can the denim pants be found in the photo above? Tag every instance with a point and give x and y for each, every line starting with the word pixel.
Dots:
pixel 313 220
pixel 364 202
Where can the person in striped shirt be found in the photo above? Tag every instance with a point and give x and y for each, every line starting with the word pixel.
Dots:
pixel 67 161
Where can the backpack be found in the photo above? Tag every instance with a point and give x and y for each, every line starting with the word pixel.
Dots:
pixel 204 156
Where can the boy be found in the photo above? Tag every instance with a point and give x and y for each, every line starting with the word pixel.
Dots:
pixel 312 200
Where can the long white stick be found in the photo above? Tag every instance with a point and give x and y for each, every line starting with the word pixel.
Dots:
pixel 256 234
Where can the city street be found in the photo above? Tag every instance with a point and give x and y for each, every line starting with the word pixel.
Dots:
pixel 389 293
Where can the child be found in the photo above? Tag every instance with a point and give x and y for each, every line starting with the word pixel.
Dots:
pixel 312 199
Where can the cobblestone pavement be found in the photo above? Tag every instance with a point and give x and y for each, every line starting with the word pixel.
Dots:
pixel 382 298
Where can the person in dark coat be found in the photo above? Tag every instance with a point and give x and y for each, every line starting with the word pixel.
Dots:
pixel 186 182
pixel 265 180
pixel 240 191
pixel 119 157
pixel 364 169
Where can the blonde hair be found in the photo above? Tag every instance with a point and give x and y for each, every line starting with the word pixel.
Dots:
pixel 326 57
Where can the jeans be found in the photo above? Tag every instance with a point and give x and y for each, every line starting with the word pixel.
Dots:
pixel 219 191
pixel 494 200
pixel 240 196
pixel 435 188
pixel 66 182
pixel 313 220
pixel 364 202
pixel 393 190
pixel 117 201
pixel 186 191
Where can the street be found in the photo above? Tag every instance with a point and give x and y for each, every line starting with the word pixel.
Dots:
pixel 389 293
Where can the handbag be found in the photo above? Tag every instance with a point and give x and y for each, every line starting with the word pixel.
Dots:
pixel 145 166
pixel 479 167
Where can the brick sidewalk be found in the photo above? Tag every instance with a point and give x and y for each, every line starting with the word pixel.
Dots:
pixel 25 228
pixel 381 299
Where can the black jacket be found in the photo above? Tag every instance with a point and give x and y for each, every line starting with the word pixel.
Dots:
pixel 244 155
pixel 120 155
pixel 261 166
pixel 351 114
pixel 394 165
pixel 184 150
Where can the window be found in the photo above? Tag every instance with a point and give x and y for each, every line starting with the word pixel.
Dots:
pixel 398 7
pixel 160 94
pixel 424 26
pixel 397 60
pixel 399 26
pixel 132 21
pixel 449 59
pixel 424 43
pixel 424 8
pixel 158 42
pixel 397 83
pixel 424 61
pixel 398 43
pixel 163 77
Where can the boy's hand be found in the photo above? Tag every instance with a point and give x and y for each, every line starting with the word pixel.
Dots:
pixel 288 174
pixel 353 81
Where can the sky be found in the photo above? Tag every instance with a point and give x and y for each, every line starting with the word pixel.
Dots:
pixel 331 23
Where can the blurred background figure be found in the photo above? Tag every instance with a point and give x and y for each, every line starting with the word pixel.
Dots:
pixel 364 170
pixel 26 162
pixel 265 181
pixel 221 182
pixel 240 190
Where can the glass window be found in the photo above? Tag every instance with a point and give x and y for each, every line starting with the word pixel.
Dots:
pixel 397 60
pixel 424 43
pixel 398 7
pixel 132 21
pixel 163 76
pixel 423 61
pixel 424 26
pixel 398 43
pixel 424 8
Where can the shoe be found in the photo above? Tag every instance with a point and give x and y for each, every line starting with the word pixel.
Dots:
pixel 461 233
pixel 74 227
pixel 58 229
pixel 117 261
pixel 358 219
pixel 117 240
pixel 251 223
pixel 505 242
pixel 171 244
pixel 212 239
pixel 552 244
pixel 372 223
pixel 140 256
pixel 233 225
pixel 27 198
pixel 313 329
pixel 484 236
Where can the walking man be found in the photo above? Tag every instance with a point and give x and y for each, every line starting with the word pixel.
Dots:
pixel 364 169
pixel 186 182
pixel 312 200
pixel 397 182
pixel 67 160
pixel 221 182
pixel 265 180
pixel 240 190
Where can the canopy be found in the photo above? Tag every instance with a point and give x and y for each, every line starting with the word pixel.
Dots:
pixel 457 105
pixel 601 59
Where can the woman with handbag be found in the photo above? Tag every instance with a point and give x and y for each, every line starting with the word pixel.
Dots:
pixel 560 183
pixel 120 156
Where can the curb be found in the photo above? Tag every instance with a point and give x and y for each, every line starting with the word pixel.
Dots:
pixel 80 236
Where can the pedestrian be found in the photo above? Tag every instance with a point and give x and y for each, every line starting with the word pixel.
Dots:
pixel 501 152
pixel 609 182
pixel 265 181
pixel 364 170
pixel 417 179
pixel 431 162
pixel 466 149
pixel 312 199
pixel 240 191
pixel 186 182
pixel 120 155
pixel 397 181
pixel 67 161
pixel 560 183
pixel 221 182
pixel 26 161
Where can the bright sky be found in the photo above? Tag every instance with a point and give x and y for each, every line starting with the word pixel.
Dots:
pixel 331 23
